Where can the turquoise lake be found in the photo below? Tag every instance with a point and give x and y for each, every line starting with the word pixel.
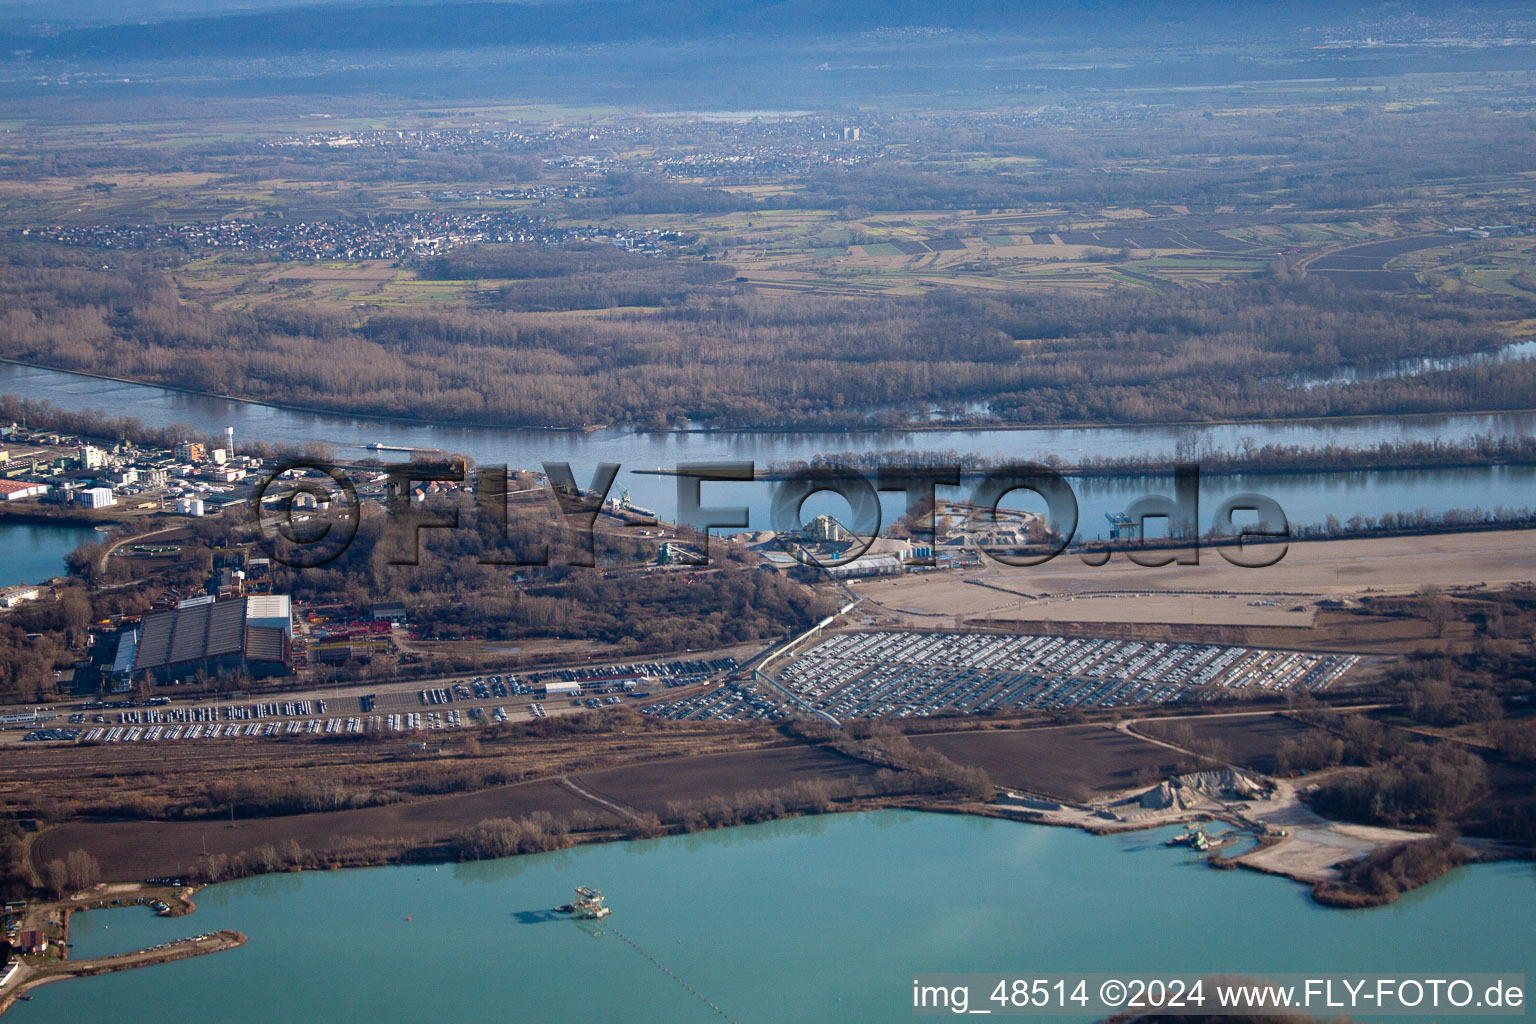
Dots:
pixel 807 920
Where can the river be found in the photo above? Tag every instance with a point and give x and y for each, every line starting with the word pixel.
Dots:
pixel 809 920
pixel 1306 498
pixel 1348 373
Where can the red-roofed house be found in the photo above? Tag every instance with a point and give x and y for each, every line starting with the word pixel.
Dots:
pixel 31 942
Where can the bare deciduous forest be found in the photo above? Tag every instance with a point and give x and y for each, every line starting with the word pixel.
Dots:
pixel 715 354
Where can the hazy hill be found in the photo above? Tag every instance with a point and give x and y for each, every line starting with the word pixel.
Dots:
pixel 734 52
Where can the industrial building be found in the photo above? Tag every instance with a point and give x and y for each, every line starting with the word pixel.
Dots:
pixel 390 611
pixel 31 942
pixel 10 597
pixel 96 497
pixel 562 689
pixel 212 637
pixel 272 610
pixel 15 490
pixel 869 565
pixel 824 529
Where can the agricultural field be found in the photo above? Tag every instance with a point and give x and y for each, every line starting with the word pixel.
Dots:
pixel 829 251
pixel 151 849
pixel 650 787
pixel 1070 762
pixel 1368 265
pixel 1249 740
pixel 614 774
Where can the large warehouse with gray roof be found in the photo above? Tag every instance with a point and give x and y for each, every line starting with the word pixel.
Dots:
pixel 214 638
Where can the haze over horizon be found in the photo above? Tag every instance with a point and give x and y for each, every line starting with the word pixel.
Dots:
pixel 668 53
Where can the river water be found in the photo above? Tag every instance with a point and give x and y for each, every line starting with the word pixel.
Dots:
pixel 1306 498
pixel 1517 351
pixel 808 920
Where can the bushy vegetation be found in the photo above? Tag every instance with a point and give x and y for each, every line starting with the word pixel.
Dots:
pixel 97 423
pixel 1420 787
pixel 1251 457
pixel 288 855
pixel 1339 739
pixel 538 832
pixel 454 591
pixel 15 871
pixel 1477 686
pixel 883 742
pixel 813 796
pixel 1388 872
pixel 74 872
pixel 709 353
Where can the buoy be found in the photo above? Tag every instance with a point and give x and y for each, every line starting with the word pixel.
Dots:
pixel 407 918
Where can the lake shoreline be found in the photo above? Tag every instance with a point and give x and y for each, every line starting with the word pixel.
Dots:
pixel 506 907
pixel 38 973
pixel 439 852
pixel 33 515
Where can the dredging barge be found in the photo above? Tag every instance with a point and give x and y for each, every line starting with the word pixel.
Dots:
pixel 588 905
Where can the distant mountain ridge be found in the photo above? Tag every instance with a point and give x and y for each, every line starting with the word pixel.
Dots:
pixel 427 26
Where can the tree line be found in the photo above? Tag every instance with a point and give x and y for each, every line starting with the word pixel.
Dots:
pixel 714 353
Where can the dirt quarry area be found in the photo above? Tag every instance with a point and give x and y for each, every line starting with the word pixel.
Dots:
pixel 1289 593
pixel 1311 847
pixel 1298 843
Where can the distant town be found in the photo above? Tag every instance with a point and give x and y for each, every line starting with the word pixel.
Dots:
pixel 385 237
